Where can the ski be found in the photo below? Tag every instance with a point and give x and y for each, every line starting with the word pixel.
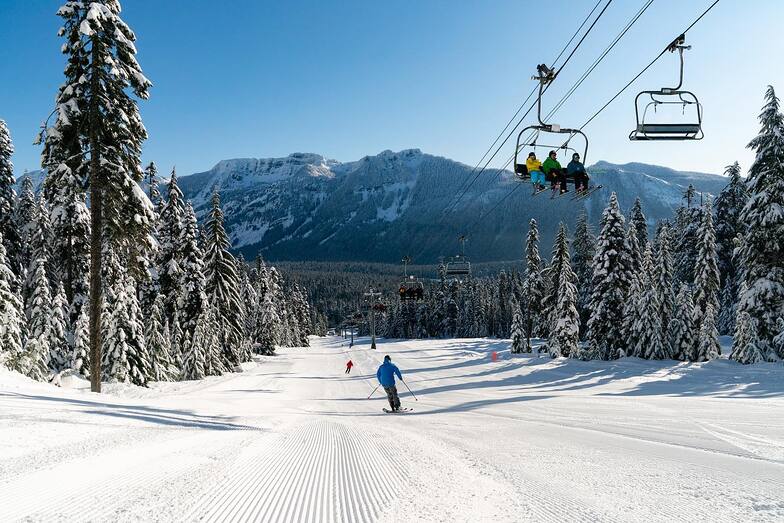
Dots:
pixel 537 192
pixel 585 194
pixel 399 411
pixel 558 194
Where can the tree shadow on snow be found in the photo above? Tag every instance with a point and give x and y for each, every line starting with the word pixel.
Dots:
pixel 158 416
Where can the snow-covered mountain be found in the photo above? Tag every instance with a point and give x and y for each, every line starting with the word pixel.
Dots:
pixel 379 208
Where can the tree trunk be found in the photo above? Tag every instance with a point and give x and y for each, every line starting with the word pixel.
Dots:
pixel 96 228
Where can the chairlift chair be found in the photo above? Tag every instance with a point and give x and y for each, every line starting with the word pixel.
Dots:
pixel 410 289
pixel 545 76
pixel 458 266
pixel 691 129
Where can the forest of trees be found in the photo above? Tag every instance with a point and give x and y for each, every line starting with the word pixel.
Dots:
pixel 716 269
pixel 128 288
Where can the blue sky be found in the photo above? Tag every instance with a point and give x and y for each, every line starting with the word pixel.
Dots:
pixel 250 78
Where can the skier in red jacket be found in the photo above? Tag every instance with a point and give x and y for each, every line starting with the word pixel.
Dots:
pixel 348 366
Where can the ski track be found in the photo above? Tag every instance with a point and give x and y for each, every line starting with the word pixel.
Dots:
pixel 322 471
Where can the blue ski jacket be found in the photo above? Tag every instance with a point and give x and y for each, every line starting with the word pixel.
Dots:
pixel 386 374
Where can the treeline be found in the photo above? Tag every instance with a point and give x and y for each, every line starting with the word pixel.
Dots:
pixel 131 278
pixel 716 268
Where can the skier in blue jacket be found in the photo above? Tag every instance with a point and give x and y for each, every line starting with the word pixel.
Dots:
pixel 386 377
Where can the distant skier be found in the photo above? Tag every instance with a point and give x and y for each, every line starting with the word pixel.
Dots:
pixel 348 366
pixel 386 377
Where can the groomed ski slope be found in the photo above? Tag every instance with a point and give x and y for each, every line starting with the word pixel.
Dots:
pixel 295 439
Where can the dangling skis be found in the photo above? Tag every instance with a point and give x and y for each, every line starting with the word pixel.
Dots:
pixel 586 194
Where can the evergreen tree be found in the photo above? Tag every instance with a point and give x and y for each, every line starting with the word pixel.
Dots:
pixel 611 280
pixel 745 343
pixel 80 359
pixel 59 350
pixel 635 250
pixel 582 258
pixel 632 316
pixel 682 329
pixel 191 287
pixel 533 287
pixel 41 241
pixel 177 340
pixel 266 336
pixel 213 338
pixel 563 340
pixel 171 239
pixel 663 277
pixel 706 282
pixel 639 223
pixel 651 343
pixel 125 356
pixel 158 345
pixel 560 256
pixel 778 340
pixel 111 133
pixel 687 221
pixel 151 177
pixel 729 205
pixel 222 285
pixel 40 304
pixel 519 344
pixel 8 228
pixel 12 320
pixel 26 223
pixel 762 249
pixel 194 358
pixel 708 346
pixel 34 361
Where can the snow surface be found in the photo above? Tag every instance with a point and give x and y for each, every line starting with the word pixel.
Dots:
pixel 292 438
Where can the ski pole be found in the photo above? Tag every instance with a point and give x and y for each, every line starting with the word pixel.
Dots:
pixel 409 390
pixel 374 391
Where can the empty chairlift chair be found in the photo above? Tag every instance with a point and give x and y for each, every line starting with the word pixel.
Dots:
pixel 646 104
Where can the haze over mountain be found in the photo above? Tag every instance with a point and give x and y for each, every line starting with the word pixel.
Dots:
pixel 379 208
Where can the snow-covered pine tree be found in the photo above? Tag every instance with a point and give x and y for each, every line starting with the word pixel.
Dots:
pixel 26 223
pixel 563 340
pixel 249 299
pixel 222 284
pixel 41 241
pixel 745 344
pixel 194 357
pixel 582 259
pixel 663 277
pixel 125 355
pixel 12 319
pixel 708 345
pixel 778 339
pixel 729 205
pixel 266 335
pixel 636 251
pixel 706 271
pixel 80 358
pixel 39 306
pixel 611 280
pixel 8 227
pixel 171 239
pixel 762 248
pixel 682 329
pixel 192 293
pixel 560 256
pixel 519 344
pixel 533 286
pixel 632 315
pixel 59 349
pixel 111 132
pixel 151 177
pixel 158 344
pixel 214 339
pixel 65 160
pixel 652 345
pixel 639 223
pixel 687 221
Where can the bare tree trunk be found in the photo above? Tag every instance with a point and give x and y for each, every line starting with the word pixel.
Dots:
pixel 96 229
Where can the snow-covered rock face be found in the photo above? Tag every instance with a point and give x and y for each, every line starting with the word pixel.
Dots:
pixel 378 208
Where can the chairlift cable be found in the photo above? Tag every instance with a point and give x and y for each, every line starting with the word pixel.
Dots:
pixel 453 205
pixel 638 75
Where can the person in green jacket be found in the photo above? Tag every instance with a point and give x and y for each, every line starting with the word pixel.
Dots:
pixel 554 172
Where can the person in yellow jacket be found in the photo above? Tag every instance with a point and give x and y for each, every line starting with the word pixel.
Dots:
pixel 534 167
